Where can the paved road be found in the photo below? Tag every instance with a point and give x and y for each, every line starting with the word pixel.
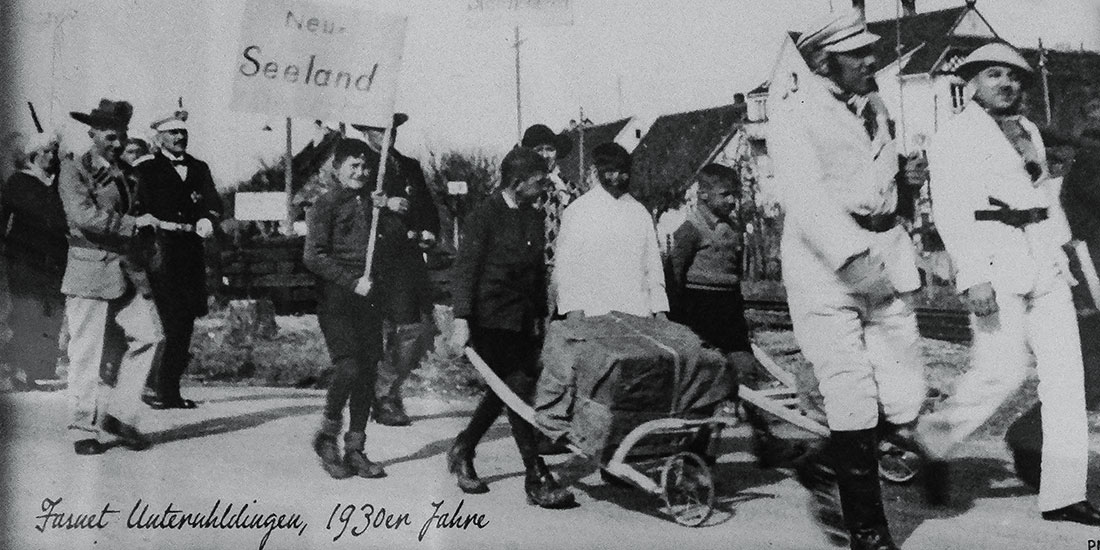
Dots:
pixel 250 446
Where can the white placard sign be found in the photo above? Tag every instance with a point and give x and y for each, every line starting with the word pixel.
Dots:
pixel 513 13
pixel 317 61
pixel 259 206
pixel 457 188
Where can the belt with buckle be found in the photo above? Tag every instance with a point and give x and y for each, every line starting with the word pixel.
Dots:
pixel 1011 216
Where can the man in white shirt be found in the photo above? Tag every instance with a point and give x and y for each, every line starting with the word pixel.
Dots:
pixel 997 210
pixel 848 266
pixel 607 255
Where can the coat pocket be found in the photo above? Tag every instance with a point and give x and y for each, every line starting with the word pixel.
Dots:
pixel 93 273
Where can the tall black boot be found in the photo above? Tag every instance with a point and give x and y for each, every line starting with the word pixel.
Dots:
pixel 860 493
pixel 541 487
pixel 460 462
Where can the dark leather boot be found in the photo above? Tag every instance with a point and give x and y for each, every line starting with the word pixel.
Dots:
pixel 128 435
pixel 1080 512
pixel 460 462
pixel 89 447
pixel 857 473
pixel 390 412
pixel 356 460
pixel 543 490
pixel 328 450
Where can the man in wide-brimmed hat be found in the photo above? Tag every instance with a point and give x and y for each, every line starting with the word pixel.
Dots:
pixel 997 209
pixel 108 300
pixel 412 224
pixel 178 189
pixel 849 268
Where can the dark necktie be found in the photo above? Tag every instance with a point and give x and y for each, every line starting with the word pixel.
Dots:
pixel 1021 141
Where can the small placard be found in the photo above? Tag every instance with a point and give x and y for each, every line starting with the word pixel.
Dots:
pixel 260 206
pixel 457 188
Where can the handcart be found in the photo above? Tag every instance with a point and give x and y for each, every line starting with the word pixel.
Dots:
pixel 666 457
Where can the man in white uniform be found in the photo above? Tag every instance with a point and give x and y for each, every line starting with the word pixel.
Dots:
pixel 999 216
pixel 607 256
pixel 848 265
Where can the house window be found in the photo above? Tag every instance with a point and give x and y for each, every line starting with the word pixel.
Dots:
pixel 758 108
pixel 958 97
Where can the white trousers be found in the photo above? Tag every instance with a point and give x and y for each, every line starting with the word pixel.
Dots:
pixel 866 357
pixel 1041 324
pixel 125 331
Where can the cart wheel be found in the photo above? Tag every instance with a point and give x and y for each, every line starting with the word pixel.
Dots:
pixel 896 464
pixel 687 489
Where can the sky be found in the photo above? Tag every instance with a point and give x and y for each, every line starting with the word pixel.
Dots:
pixel 618 58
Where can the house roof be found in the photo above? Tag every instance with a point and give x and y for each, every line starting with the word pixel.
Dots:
pixel 675 148
pixel 925 35
pixel 593 136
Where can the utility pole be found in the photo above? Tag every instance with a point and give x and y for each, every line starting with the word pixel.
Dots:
pixel 288 173
pixel 519 94
pixel 580 124
pixel 1046 85
pixel 619 82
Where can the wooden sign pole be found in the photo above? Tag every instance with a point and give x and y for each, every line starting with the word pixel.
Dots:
pixel 372 241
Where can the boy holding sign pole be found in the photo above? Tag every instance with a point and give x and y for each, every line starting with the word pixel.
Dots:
pixel 340 247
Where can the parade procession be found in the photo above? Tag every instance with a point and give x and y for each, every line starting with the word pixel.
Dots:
pixel 785 274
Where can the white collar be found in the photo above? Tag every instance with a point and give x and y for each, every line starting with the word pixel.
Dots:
pixel 39 174
pixel 172 157
pixel 509 199
pixel 603 194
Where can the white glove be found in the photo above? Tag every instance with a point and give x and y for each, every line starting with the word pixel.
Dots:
pixel 363 286
pixel 460 335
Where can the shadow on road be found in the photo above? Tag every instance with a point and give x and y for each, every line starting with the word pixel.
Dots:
pixel 972 478
pixel 226 424
pixel 440 447
pixel 263 397
pixel 733 481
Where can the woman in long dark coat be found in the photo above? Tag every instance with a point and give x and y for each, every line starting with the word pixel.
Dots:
pixel 33 236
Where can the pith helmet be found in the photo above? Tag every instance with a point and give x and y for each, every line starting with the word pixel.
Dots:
pixel 996 53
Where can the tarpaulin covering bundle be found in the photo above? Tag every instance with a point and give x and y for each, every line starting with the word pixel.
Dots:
pixel 603 376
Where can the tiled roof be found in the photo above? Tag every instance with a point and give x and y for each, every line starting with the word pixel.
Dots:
pixel 675 148
pixel 593 136
pixel 928 31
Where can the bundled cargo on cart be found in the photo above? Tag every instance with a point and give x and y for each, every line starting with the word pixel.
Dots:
pixel 603 376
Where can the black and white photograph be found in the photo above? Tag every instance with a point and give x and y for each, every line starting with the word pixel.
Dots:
pixel 500 274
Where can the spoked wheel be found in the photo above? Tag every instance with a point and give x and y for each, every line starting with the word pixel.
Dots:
pixel 897 465
pixel 687 489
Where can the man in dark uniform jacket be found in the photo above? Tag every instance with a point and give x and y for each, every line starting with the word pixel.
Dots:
pixel 177 189
pixel 412 225
pixel 1080 199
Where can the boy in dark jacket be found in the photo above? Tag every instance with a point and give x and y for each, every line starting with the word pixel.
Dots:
pixel 499 306
pixel 348 311
pixel 706 271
